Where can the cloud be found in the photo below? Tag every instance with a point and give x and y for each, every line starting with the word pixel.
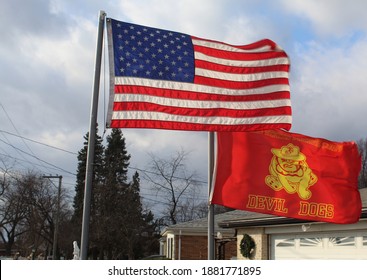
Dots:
pixel 50 76
pixel 48 52
pixel 328 90
pixel 164 144
pixel 23 18
pixel 330 17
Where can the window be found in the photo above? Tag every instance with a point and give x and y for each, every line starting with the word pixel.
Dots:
pixel 364 241
pixel 310 242
pixel 170 247
pixel 286 243
pixel 347 241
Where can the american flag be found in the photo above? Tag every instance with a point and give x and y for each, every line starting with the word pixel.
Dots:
pixel 169 80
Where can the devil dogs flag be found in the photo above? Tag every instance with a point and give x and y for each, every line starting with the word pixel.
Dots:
pixel 287 174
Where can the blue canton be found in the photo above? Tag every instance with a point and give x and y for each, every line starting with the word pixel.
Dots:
pixel 146 52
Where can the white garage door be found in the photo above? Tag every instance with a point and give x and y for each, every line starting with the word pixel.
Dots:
pixel 350 245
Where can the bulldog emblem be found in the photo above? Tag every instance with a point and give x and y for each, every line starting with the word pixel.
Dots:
pixel 289 171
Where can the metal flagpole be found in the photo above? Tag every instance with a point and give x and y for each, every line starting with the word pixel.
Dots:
pixel 211 243
pixel 91 141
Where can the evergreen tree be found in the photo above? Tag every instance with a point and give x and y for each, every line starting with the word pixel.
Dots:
pixel 133 224
pixel 80 184
pixel 119 229
pixel 124 221
pixel 112 195
pixel 116 158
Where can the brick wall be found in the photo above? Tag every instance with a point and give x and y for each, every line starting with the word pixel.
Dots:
pixel 196 248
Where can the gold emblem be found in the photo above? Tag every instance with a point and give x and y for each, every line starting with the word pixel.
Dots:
pixel 289 171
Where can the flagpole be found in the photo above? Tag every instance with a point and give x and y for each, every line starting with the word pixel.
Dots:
pixel 211 244
pixel 91 141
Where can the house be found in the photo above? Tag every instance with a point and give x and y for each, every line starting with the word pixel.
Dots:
pixel 275 237
pixel 189 240
pixel 279 238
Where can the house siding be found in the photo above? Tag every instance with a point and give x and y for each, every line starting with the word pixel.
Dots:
pixel 261 241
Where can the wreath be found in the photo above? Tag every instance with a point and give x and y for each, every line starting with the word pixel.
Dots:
pixel 247 246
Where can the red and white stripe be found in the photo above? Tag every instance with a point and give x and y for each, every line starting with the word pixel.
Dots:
pixel 236 88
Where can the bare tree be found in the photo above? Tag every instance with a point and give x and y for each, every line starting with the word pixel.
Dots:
pixel 5 171
pixel 13 212
pixel 176 184
pixel 27 213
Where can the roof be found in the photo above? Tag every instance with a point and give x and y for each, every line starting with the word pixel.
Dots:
pixel 232 219
pixel 201 225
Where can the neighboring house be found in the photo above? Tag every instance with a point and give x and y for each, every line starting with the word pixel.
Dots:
pixel 275 237
pixel 189 240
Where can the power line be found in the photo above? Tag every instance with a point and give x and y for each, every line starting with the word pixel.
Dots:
pixel 15 128
pixel 27 161
pixel 8 143
pixel 9 156
pixel 37 142
pixel 41 160
pixel 155 173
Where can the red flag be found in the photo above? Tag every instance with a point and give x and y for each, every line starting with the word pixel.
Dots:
pixel 169 80
pixel 288 174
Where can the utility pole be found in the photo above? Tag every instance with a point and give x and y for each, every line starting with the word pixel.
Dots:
pixel 56 231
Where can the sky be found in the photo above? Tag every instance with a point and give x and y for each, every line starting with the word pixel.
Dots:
pixel 47 58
